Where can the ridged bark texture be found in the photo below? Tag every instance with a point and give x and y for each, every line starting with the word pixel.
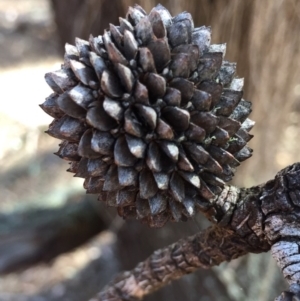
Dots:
pixel 203 250
pixel 282 226
pixel 257 219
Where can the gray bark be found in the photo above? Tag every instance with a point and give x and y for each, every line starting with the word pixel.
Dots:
pixel 246 220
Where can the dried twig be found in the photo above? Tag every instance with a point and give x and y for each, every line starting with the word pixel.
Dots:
pixel 263 217
pixel 203 250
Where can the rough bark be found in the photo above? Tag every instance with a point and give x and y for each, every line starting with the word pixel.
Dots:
pixel 40 235
pixel 203 250
pixel 247 220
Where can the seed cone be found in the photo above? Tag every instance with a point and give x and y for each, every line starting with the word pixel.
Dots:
pixel 150 115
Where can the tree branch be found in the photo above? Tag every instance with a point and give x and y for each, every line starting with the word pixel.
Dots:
pixel 247 220
pixel 203 250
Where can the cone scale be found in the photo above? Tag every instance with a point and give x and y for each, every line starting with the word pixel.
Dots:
pixel 150 115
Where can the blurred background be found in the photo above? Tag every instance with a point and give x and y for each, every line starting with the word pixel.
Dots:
pixel 58 244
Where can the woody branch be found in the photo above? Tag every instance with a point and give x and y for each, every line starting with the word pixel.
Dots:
pixel 246 220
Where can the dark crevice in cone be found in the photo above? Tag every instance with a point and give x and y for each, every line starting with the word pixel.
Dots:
pixel 150 115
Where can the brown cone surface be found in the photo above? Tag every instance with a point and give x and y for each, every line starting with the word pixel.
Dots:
pixel 150 115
